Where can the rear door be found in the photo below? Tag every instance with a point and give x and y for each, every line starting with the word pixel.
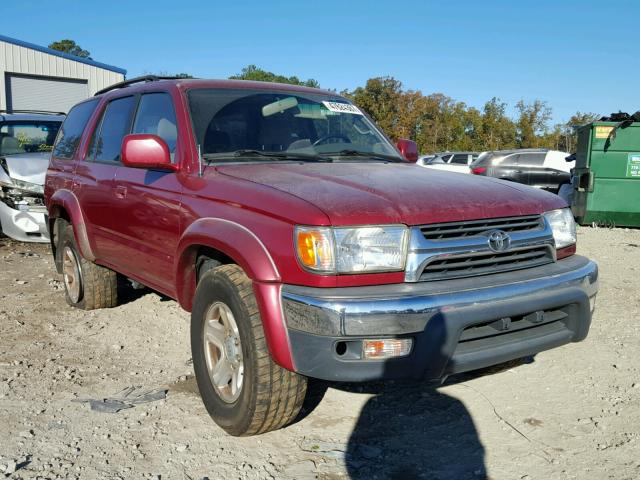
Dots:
pixel 147 203
pixel 94 178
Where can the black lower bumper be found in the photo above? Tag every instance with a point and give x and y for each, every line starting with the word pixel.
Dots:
pixel 455 325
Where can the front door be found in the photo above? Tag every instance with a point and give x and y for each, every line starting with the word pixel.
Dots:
pixel 147 207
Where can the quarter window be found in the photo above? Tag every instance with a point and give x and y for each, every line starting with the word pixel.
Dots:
pixel 106 142
pixel 157 116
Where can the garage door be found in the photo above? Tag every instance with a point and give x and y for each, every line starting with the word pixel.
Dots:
pixel 44 93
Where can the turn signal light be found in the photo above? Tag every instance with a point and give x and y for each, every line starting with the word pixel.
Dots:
pixel 386 348
pixel 315 248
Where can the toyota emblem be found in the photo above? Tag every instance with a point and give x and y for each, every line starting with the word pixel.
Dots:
pixel 499 241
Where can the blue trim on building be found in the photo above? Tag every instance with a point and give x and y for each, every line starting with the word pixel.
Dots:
pixel 39 48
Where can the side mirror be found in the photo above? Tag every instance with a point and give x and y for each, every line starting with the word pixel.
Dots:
pixel 408 149
pixel 142 150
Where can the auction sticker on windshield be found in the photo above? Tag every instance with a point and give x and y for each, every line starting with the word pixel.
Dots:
pixel 342 107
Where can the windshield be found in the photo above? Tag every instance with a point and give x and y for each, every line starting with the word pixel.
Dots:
pixel 241 122
pixel 27 136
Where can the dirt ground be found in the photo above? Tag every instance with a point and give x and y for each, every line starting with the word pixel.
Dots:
pixel 571 413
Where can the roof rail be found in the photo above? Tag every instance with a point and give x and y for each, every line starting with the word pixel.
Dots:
pixel 45 112
pixel 131 81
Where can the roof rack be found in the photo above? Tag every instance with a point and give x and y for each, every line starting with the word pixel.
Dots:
pixel 45 112
pixel 131 81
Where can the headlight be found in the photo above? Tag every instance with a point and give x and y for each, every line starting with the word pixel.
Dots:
pixel 352 250
pixel 563 226
pixel 27 186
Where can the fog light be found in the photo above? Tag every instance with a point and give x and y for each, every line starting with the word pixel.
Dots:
pixel 387 348
pixel 592 303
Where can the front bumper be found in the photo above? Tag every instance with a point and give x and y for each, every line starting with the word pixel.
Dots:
pixel 24 226
pixel 456 325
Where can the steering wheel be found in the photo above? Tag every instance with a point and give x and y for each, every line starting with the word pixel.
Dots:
pixel 324 138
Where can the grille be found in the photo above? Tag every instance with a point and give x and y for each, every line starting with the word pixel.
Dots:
pixel 486 263
pixel 454 230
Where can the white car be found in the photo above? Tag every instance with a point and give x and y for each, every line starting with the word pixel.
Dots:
pixel 25 143
pixel 450 161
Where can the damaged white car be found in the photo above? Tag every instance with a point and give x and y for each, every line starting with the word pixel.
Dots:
pixel 26 140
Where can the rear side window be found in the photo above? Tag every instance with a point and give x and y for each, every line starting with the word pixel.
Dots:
pixel 72 128
pixel 106 142
pixel 157 116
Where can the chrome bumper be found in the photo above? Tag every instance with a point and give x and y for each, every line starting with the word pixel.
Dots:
pixel 436 314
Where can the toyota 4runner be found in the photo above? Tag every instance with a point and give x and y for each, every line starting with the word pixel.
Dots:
pixel 304 243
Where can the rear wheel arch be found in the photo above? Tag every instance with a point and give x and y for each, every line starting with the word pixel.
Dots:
pixel 64 204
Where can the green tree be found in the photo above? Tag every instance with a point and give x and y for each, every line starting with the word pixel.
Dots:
pixel 532 123
pixel 380 98
pixel 252 72
pixel 70 47
pixel 497 131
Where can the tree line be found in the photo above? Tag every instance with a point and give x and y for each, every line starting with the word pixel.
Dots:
pixel 437 122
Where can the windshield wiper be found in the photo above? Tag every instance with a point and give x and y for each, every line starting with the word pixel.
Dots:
pixel 307 157
pixel 358 153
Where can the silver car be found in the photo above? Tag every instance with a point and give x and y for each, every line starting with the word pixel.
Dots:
pixel 26 139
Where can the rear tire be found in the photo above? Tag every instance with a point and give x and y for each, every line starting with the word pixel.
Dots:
pixel 259 396
pixel 87 286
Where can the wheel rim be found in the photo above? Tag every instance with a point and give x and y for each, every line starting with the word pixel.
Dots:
pixel 71 273
pixel 223 352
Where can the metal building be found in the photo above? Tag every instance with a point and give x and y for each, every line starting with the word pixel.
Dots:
pixel 38 78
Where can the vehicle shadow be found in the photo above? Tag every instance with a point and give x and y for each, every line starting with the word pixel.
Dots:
pixel 412 430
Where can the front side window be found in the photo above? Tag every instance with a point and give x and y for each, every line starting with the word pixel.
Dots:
pixel 72 128
pixel 106 142
pixel 229 124
pixel 157 116
pixel 27 136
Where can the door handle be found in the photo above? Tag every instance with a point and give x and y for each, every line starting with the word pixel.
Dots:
pixel 121 191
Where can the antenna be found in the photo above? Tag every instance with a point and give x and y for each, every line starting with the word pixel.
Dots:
pixel 199 161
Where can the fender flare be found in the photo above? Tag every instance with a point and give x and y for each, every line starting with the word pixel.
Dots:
pixel 65 199
pixel 230 238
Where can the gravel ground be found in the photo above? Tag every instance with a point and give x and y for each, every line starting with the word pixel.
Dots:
pixel 573 413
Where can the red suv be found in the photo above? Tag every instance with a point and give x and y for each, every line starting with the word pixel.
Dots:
pixel 303 243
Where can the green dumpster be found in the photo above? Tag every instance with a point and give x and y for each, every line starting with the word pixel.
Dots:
pixel 606 177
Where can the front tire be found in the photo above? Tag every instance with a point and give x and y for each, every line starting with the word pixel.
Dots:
pixel 243 389
pixel 87 286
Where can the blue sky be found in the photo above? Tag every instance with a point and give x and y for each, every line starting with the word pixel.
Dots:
pixel 576 55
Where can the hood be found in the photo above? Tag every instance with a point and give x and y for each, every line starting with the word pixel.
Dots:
pixel 384 193
pixel 28 167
